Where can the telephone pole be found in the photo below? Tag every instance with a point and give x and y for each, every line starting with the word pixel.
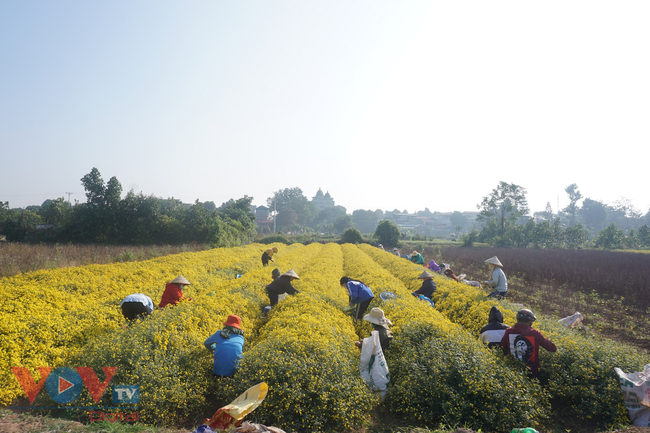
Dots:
pixel 69 194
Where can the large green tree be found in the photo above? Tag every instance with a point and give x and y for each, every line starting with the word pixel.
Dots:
pixel 294 211
pixel 610 238
pixel 594 214
pixel 365 220
pixel 500 210
pixel 387 233
pixel 572 209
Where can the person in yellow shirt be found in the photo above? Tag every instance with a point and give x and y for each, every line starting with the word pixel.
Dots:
pixel 268 255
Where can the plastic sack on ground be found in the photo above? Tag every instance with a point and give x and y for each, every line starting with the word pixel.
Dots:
pixel 572 321
pixel 373 366
pixel 230 415
pixel 636 388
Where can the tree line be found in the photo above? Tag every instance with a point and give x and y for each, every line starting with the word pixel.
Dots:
pixel 504 221
pixel 136 219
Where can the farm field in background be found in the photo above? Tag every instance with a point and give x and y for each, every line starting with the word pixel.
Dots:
pixel 16 258
pixel 611 289
pixel 442 374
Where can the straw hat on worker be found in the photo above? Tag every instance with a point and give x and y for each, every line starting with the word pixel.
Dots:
pixel 181 280
pixel 377 317
pixel 494 261
pixel 291 273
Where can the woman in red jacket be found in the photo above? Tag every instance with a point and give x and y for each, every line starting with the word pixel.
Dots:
pixel 174 292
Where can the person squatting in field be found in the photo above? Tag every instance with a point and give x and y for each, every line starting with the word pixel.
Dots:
pixel 433 266
pixel 359 294
pixel 417 258
pixel 523 342
pixel 136 306
pixel 498 282
pixel 282 285
pixel 268 255
pixel 428 286
pixel 380 324
pixel 228 347
pixel 173 293
pixel 493 332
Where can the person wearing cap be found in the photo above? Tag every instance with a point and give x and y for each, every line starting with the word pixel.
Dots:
pixel 428 285
pixel 396 252
pixel 268 255
pixel 492 333
pixel 380 324
pixel 228 347
pixel 417 258
pixel 381 247
pixel 359 295
pixel 281 285
pixel 173 293
pixel 275 274
pixel 498 281
pixel 136 306
pixel 523 342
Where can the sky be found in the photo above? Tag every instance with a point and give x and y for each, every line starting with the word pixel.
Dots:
pixel 384 104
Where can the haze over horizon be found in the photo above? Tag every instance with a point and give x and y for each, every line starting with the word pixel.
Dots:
pixel 386 105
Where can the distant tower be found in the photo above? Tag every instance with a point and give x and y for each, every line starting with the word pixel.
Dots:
pixel 321 200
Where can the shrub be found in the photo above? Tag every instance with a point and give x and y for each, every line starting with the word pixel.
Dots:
pixel 351 236
pixel 275 239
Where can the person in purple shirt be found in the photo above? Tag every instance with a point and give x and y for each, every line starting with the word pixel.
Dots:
pixel 433 266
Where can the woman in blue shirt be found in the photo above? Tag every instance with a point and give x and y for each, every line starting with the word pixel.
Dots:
pixel 359 294
pixel 228 345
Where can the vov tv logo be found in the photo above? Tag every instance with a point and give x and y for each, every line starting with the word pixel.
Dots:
pixel 64 384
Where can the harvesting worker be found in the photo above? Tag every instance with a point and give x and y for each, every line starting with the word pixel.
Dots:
pixel 268 255
pixel 173 293
pixel 523 342
pixel 380 324
pixel 228 347
pixel 359 295
pixel 493 332
pixel 433 266
pixel 281 285
pixel 417 258
pixel 428 285
pixel 136 306
pixel 498 282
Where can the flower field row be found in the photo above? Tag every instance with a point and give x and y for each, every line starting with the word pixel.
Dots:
pixel 48 316
pixel 305 353
pixel 164 354
pixel 582 381
pixel 440 373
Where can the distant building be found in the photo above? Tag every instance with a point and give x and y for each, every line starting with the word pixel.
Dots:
pixel 264 219
pixel 321 200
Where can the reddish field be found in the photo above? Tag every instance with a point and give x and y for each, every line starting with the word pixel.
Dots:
pixel 611 289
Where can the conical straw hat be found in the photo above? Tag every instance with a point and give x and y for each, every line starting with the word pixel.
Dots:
pixel 291 273
pixel 181 280
pixel 495 261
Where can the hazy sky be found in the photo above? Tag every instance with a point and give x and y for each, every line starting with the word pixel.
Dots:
pixel 385 104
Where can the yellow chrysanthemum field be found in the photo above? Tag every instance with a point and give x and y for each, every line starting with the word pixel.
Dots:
pixel 440 371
